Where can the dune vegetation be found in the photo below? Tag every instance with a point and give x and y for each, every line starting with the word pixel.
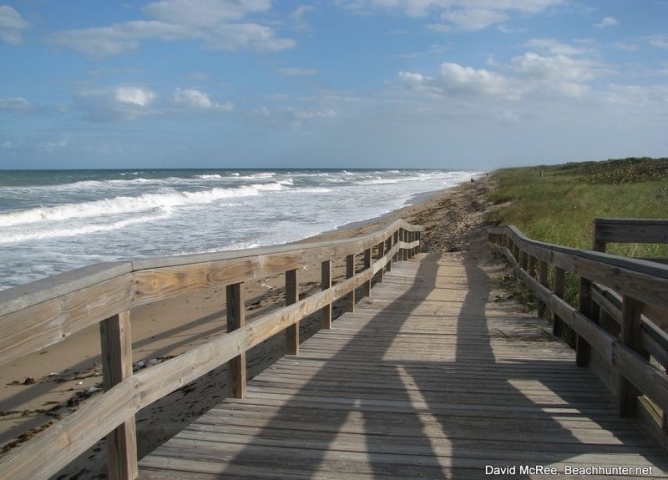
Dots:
pixel 556 204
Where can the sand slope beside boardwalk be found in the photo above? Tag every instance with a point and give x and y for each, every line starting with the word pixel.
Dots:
pixel 65 372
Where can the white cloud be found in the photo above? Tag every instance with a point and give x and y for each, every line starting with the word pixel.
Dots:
pixel 205 13
pixel 298 17
pixel 114 104
pixel 454 80
pixel 530 74
pixel 554 47
pixel 197 99
pixel 557 68
pixel 119 38
pixel 655 41
pixel 297 72
pixel 193 98
pixel 303 114
pixel 133 95
pixel 607 22
pixel 658 40
pixel 434 49
pixel 293 116
pixel 15 103
pixel 298 14
pixel 462 14
pixel 214 22
pixel 628 47
pixel 125 103
pixel 635 95
pixel 457 78
pixel 235 36
pixel 12 25
pixel 474 18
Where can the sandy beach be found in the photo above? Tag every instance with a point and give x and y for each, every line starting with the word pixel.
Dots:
pixel 41 389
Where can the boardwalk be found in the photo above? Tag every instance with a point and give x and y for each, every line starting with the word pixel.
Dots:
pixel 428 378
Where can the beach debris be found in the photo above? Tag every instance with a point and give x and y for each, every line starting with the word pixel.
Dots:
pixel 29 381
pixel 24 437
pixel 80 395
pixel 80 383
pixel 53 374
pixel 153 361
pixel 138 365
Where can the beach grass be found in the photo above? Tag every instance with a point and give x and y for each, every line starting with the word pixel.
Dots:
pixel 556 204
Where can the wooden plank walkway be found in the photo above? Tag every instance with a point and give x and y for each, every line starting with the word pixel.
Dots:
pixel 428 378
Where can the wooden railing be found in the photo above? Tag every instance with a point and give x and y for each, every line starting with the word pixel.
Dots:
pixel 48 311
pixel 632 293
pixel 628 230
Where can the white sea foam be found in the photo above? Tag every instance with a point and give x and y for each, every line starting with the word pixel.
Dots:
pixel 48 227
pixel 124 204
pixel 215 176
pixel 60 232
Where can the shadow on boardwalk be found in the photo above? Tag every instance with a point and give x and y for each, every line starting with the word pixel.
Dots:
pixel 421 381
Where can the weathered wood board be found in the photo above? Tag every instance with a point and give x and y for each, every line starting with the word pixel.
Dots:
pixel 427 378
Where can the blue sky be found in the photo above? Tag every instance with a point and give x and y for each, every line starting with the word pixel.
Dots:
pixel 343 83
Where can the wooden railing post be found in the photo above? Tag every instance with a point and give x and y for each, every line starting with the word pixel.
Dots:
pixel 598 245
pixel 629 334
pixel 400 238
pixel 418 249
pixel 381 254
pixel 292 296
pixel 542 278
pixel 404 251
pixel 350 273
pixel 559 289
pixel 524 261
pixel 407 238
pixel 116 342
pixel 367 265
pixel 582 348
pixel 325 283
pixel 236 318
pixel 396 238
pixel 533 262
pixel 388 247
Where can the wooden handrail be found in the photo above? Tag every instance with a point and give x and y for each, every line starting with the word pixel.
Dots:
pixel 640 296
pixel 48 311
pixel 628 230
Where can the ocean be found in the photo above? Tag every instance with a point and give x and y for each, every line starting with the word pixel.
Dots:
pixel 55 221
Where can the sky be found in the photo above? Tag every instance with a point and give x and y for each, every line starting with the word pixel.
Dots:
pixel 461 84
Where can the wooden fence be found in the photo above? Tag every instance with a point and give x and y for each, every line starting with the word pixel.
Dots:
pixel 621 317
pixel 48 311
